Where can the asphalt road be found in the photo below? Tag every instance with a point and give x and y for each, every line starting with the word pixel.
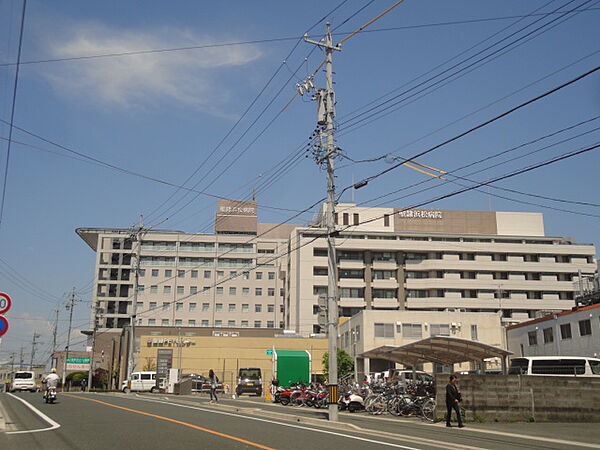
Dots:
pixel 115 421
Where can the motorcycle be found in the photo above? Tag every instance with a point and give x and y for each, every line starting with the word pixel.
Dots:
pixel 50 396
pixel 351 401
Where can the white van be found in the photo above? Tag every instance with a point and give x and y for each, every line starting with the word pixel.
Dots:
pixel 555 365
pixel 140 381
pixel 24 380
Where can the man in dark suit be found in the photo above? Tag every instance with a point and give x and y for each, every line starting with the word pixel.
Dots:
pixel 453 399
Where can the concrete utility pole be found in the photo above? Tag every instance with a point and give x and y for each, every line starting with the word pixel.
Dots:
pixel 21 359
pixel 54 332
pixel 70 307
pixel 94 329
pixel 326 113
pixel 136 236
pixel 33 344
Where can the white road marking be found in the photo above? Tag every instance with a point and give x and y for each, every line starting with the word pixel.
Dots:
pixel 53 425
pixel 316 430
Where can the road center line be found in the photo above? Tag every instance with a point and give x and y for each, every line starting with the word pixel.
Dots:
pixel 244 441
pixel 314 430
pixel 53 425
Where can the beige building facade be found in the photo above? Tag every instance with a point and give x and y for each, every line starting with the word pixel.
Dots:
pixel 370 329
pixel 226 351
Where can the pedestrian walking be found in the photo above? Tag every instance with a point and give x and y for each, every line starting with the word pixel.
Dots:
pixel 453 399
pixel 214 380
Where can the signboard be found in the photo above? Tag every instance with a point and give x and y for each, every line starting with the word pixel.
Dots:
pixel 3 326
pixel 5 303
pixel 78 363
pixel 164 362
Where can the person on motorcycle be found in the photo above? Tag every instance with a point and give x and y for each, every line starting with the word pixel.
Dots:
pixel 51 381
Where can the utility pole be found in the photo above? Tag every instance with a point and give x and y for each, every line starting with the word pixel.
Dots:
pixel 54 332
pixel 95 328
pixel 325 115
pixel 70 307
pixel 12 362
pixel 136 236
pixel 33 344
pixel 21 359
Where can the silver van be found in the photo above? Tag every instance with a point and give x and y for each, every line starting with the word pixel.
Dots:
pixel 555 365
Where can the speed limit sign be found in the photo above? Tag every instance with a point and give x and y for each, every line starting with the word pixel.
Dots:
pixel 5 303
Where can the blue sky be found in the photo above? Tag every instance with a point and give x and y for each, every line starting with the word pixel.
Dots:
pixel 161 114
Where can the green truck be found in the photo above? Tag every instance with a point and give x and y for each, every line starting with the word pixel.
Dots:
pixel 291 366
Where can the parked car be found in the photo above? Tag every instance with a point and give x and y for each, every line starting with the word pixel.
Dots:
pixel 140 382
pixel 249 381
pixel 24 380
pixel 200 383
pixel 555 365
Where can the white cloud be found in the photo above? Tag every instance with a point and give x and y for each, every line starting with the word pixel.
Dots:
pixel 189 77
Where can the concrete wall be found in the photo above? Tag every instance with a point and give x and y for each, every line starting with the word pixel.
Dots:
pixel 507 398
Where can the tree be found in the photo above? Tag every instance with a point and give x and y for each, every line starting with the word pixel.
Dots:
pixel 150 364
pixel 345 363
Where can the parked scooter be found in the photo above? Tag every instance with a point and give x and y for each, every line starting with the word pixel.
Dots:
pixel 50 396
pixel 351 401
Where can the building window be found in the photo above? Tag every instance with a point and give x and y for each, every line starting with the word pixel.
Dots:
pixel 220 274
pixel 232 291
pixel 585 327
pixel 154 289
pixel 179 306
pixel 565 331
pixel 271 275
pixel 204 323
pixel 532 336
pixel 192 307
pixel 245 307
pixel 178 322
pixel 384 330
pixel 231 323
pixel 218 323
pixel 231 307
pixel 191 323
pixel 152 305
pixel 165 306
pixel 386 220
pixel 246 291
pixel 385 274
pixel 271 292
pixel 219 290
pixel 351 292
pixel 193 290
pixel 258 292
pixel 142 272
pixel 180 290
pixel 245 275
pixel 439 329
pixel 270 308
pixel 205 307
pixel 206 290
pixel 164 323
pixel 257 324
pixel 151 322
pixel 412 330
pixel 141 288
pixel 154 272
pixel 474 332
pixel 219 307
pixel 244 324
pixel 207 274
pixel 384 293
pixel 258 308
pixel 270 324
pixel 351 273
pixel 194 274
pixel 548 336
pixel 168 273
pixel 166 289
pixel 320 271
pixel 259 275
pixel 355 217
pixel 180 273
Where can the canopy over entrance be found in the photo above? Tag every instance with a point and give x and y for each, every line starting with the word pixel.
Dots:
pixel 438 349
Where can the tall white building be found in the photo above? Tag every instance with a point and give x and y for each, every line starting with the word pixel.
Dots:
pixel 434 260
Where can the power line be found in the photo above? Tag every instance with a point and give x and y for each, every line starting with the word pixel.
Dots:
pixel 12 112
pixel 278 39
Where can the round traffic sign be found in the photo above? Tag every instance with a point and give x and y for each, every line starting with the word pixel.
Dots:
pixel 5 303
pixel 3 326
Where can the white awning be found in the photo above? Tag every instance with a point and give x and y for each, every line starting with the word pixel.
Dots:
pixel 437 349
